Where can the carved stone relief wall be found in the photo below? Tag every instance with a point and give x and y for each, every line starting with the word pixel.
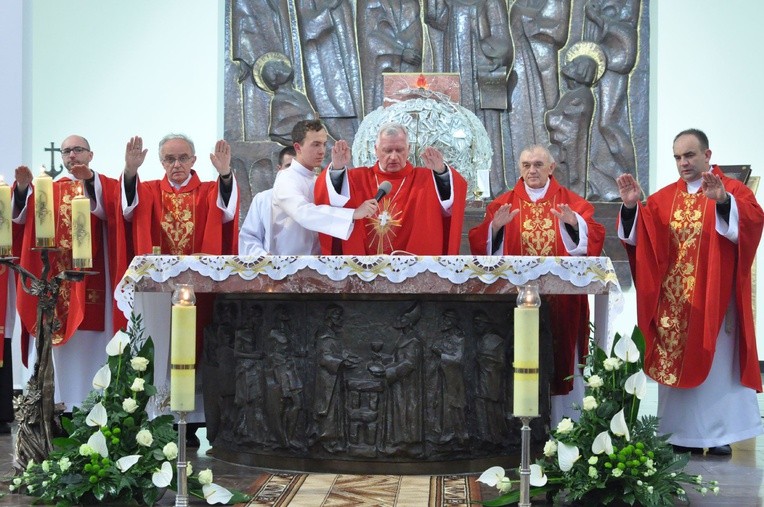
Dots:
pixel 572 74
pixel 365 380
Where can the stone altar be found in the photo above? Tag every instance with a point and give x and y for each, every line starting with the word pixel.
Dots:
pixel 372 364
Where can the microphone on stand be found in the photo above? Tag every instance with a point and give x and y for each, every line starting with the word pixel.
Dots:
pixel 383 190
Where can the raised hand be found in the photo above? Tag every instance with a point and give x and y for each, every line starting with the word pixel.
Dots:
pixel 81 172
pixel 134 156
pixel 712 187
pixel 629 190
pixel 340 154
pixel 503 216
pixel 564 213
pixel 23 177
pixel 433 159
pixel 221 158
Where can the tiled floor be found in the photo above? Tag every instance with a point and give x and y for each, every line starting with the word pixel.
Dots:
pixel 741 476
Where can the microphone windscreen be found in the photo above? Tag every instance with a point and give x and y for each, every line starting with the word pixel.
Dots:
pixel 383 190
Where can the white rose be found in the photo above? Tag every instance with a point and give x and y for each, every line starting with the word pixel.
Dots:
pixel 593 472
pixel 144 438
pixel 170 450
pixel 45 466
pixel 550 448
pixel 504 485
pixel 565 425
pixel 189 469
pixel 137 385
pixel 617 472
pixel 595 381
pixel 590 403
pixel 139 363
pixel 64 464
pixel 205 477
pixel 593 460
pixel 612 363
pixel 129 405
pixel 86 450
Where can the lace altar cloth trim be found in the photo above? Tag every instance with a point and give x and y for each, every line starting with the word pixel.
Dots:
pixel 518 270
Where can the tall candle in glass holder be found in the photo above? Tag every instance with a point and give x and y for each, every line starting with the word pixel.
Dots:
pixel 183 349
pixel 82 242
pixel 6 236
pixel 525 401
pixel 44 224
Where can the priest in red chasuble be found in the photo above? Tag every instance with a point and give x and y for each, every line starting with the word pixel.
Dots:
pixel 691 247
pixel 421 214
pixel 86 311
pixel 181 214
pixel 539 217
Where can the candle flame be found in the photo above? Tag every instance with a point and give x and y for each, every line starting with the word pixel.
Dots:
pixel 421 82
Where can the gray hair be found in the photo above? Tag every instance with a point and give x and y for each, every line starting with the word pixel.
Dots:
pixel 534 147
pixel 392 128
pixel 182 137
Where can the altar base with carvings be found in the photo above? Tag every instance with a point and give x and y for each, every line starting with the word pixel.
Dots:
pixel 362 364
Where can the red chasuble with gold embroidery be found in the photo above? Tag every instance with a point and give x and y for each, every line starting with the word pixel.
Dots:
pixel 410 219
pixel 535 231
pixel 182 222
pixel 81 305
pixel 685 274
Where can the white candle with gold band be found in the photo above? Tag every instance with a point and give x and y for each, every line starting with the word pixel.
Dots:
pixel 82 242
pixel 183 350
pixel 6 236
pixel 44 218
pixel 526 363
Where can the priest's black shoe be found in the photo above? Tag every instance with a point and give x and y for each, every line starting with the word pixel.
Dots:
pixel 683 450
pixel 720 450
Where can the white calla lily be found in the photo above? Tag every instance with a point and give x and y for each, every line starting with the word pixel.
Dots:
pixel 216 494
pixel 97 416
pixel 602 443
pixel 98 443
pixel 619 427
pixel 637 385
pixel 626 350
pixel 124 463
pixel 102 378
pixel 162 477
pixel 118 343
pixel 538 477
pixel 566 456
pixel 492 476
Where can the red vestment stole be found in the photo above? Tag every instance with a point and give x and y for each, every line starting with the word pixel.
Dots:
pixel 536 232
pixel 81 305
pixel 410 218
pixel 685 273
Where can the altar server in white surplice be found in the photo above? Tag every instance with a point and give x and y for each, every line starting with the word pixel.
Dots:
pixel 255 234
pixel 296 220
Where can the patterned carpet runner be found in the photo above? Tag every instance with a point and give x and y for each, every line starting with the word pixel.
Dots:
pixel 330 490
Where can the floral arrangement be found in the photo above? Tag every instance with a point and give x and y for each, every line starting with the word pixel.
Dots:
pixel 609 455
pixel 114 453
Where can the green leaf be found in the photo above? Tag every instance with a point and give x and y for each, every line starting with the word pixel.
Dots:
pixel 64 443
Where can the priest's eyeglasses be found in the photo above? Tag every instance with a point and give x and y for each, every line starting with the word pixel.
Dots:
pixel 76 149
pixel 183 159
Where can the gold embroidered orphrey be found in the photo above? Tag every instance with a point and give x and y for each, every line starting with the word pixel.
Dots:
pixel 678 287
pixel 63 260
pixel 537 233
pixel 178 222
